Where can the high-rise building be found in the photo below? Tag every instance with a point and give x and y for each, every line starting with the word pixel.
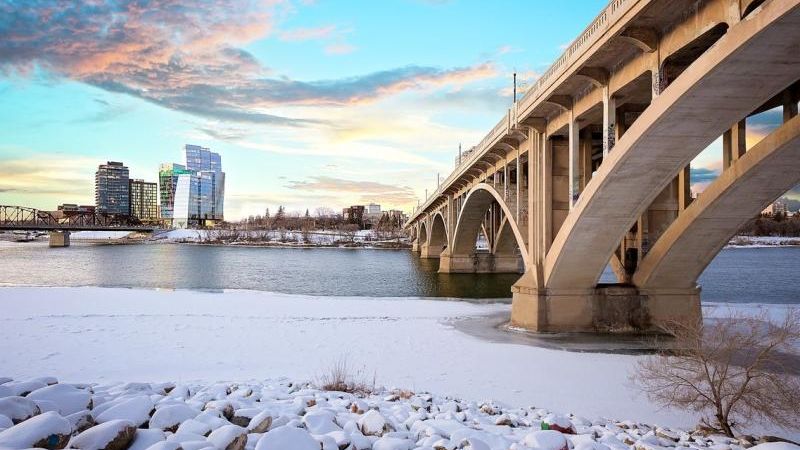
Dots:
pixel 143 200
pixel 194 194
pixel 111 190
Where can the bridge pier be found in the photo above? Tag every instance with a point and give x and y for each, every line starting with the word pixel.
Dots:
pixel 479 262
pixel 59 238
pixel 604 309
pixel 429 251
pixel 415 246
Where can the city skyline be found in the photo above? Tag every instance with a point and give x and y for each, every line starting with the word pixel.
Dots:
pixel 312 103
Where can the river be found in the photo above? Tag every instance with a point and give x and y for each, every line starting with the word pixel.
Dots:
pixel 742 275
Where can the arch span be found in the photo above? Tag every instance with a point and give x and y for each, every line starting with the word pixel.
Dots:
pixel 437 237
pixel 760 176
pixel 470 220
pixel 715 91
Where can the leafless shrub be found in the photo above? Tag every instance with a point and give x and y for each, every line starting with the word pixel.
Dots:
pixel 342 378
pixel 348 231
pixel 735 370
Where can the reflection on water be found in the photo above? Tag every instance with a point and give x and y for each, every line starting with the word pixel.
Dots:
pixel 763 275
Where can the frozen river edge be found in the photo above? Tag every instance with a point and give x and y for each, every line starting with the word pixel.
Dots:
pixel 104 335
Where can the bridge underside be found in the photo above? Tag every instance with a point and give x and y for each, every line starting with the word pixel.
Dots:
pixel 592 167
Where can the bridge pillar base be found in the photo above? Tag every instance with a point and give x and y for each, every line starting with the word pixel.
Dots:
pixel 415 246
pixel 59 239
pixel 427 252
pixel 605 309
pixel 481 262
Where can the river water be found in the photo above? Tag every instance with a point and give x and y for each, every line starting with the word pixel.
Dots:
pixel 751 275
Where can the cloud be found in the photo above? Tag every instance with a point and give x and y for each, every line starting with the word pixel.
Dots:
pixel 703 175
pixel 185 56
pixel 339 49
pixel 308 34
pixel 367 190
pixel 48 175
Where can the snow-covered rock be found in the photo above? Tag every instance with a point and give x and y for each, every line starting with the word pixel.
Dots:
pixel 229 437
pixel 392 443
pixel 18 408
pixel 23 388
pixel 285 438
pixel 48 430
pixel 110 435
pixel 320 422
pixel 136 410
pixel 546 440
pixel 261 423
pixel 67 399
pixel 372 423
pixel 144 439
pixel 170 417
pixel 194 426
pixel 776 446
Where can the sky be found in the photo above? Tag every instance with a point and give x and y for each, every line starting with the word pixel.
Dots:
pixel 311 103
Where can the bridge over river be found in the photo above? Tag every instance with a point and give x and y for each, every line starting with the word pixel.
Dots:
pixel 30 219
pixel 591 166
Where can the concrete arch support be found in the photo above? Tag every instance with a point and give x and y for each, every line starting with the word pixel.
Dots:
pixel 712 93
pixel 760 176
pixel 461 256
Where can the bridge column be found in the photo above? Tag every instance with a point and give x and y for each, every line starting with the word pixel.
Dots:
pixel 609 120
pixel 59 238
pixel 733 144
pixel 574 160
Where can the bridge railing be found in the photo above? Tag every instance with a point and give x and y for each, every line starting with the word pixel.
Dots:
pixel 605 20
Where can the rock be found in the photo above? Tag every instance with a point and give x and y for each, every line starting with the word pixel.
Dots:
pixel 287 438
pixel 474 444
pixel 242 417
pixel 504 419
pixel 776 445
pixel 261 422
pixel 546 440
pixel 558 423
pixel 667 434
pixel 392 443
pixel 223 406
pixel 320 422
pixel 68 399
pixel 229 437
pixel 136 410
pixel 110 435
pixel 18 409
pixel 81 420
pixel 358 407
pixel 372 423
pixel 165 445
pixel 48 430
pixel 144 439
pixel 341 438
pixel 23 388
pixel 5 422
pixel 195 426
pixel 170 417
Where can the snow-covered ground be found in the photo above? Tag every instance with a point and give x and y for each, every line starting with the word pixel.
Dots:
pixel 763 241
pixel 104 335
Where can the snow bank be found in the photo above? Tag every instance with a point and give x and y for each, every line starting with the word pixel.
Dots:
pixel 79 235
pixel 96 334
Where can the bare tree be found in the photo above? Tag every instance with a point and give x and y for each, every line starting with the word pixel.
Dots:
pixel 733 370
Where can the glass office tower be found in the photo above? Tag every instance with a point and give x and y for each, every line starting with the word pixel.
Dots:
pixel 111 189
pixel 192 195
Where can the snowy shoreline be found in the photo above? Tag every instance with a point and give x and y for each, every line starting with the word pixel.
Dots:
pixel 103 334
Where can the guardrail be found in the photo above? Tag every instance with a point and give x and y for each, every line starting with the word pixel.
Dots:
pixel 607 17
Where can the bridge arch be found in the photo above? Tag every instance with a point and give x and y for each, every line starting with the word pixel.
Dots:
pixel 760 176
pixel 470 221
pixel 422 233
pixel 437 238
pixel 678 124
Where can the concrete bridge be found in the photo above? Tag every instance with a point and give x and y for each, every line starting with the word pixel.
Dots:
pixel 591 166
pixel 29 219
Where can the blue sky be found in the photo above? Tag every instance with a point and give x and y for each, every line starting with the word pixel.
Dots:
pixel 310 103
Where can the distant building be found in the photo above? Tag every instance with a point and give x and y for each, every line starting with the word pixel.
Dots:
pixel 777 207
pixel 193 195
pixel 395 217
pixel 72 208
pixel 143 200
pixel 372 215
pixel 354 215
pixel 111 195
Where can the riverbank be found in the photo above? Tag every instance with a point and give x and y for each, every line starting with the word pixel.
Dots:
pixel 283 414
pixel 104 335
